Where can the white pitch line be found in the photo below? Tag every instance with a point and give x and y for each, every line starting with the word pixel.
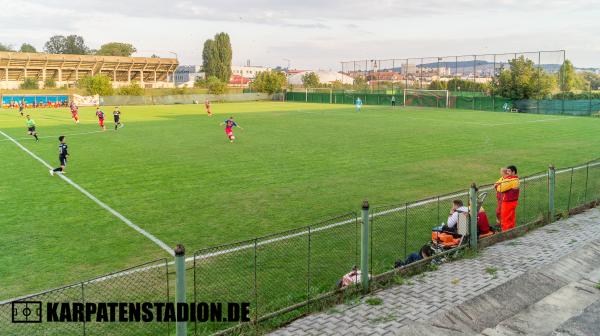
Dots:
pixel 54 136
pixel 97 201
pixel 247 246
pixel 377 214
pixel 534 121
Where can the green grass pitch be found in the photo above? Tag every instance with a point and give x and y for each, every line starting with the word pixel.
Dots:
pixel 172 172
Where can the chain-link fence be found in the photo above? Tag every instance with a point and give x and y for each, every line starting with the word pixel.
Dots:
pixel 478 82
pixel 182 99
pixel 148 282
pixel 280 274
pixel 288 274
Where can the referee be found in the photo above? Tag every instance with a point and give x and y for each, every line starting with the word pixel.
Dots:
pixel 31 128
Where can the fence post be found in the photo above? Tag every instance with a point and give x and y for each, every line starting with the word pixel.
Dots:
pixel 473 217
pixel 364 247
pixel 181 326
pixel 551 186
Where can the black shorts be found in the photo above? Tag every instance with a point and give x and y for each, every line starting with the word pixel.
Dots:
pixel 117 120
pixel 63 160
pixel 31 129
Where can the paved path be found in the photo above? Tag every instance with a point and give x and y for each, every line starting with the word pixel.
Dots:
pixel 453 283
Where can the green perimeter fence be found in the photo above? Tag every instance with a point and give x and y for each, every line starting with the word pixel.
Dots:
pixel 182 99
pixel 292 273
pixel 459 100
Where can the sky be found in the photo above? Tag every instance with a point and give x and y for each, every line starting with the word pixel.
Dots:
pixel 315 34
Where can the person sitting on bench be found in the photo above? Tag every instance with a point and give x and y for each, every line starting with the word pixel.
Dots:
pixel 457 209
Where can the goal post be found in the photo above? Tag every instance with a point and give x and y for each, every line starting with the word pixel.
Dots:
pixel 420 93
pixel 324 91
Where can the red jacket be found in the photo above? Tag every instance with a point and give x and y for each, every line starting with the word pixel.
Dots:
pixel 509 188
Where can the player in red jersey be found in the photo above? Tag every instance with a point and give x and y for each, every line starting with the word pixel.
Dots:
pixel 100 116
pixel 207 105
pixel 74 112
pixel 229 125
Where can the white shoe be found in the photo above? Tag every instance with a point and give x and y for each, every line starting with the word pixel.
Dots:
pixel 51 172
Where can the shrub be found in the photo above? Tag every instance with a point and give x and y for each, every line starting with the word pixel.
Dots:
pixel 97 84
pixel 215 85
pixel 133 89
pixel 49 83
pixel 29 83
pixel 179 91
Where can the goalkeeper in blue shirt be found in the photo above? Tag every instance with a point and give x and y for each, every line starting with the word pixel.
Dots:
pixel 358 104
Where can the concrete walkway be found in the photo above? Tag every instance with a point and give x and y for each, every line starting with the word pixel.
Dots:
pixel 458 287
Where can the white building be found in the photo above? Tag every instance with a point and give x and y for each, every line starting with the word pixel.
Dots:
pixel 248 71
pixel 186 75
pixel 325 77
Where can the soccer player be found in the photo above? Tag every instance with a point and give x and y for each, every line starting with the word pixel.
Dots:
pixel 31 128
pixel 21 107
pixel 358 104
pixel 74 112
pixel 62 156
pixel 229 125
pixel 207 105
pixel 117 117
pixel 100 116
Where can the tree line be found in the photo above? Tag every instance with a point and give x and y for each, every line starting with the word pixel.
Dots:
pixel 524 80
pixel 75 45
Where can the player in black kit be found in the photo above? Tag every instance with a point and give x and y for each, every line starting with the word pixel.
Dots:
pixel 62 156
pixel 117 117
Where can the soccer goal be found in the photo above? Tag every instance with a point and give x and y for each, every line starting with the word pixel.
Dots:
pixel 431 98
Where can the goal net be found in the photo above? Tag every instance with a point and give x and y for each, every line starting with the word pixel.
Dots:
pixel 429 98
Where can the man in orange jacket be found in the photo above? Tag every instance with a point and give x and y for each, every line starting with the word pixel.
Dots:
pixel 503 174
pixel 508 187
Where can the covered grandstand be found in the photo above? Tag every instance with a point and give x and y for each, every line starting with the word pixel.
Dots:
pixel 65 70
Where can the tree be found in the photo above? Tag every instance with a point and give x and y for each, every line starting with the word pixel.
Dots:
pixel 200 82
pixel 310 80
pixel 360 84
pixel 49 83
pixel 133 89
pixel 216 57
pixel 72 44
pixel 26 47
pixel 269 82
pixel 116 49
pixel 458 84
pixel 571 81
pixel 5 47
pixel 154 56
pixel 97 84
pixel 438 85
pixel 29 83
pixel 215 85
pixel 592 80
pixel 524 81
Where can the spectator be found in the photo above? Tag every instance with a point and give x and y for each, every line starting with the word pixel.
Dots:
pixel 503 175
pixel 393 100
pixel 425 252
pixel 483 224
pixel 509 190
pixel 352 277
pixel 457 209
